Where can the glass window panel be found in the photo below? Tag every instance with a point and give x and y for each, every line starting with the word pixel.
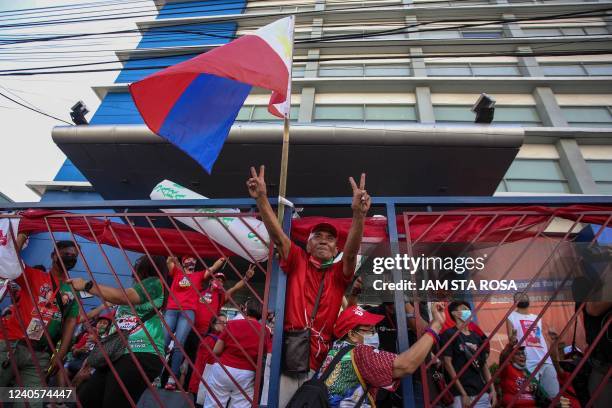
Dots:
pixel 541 32
pixel 449 70
pixel 453 114
pixel 599 69
pixel 587 114
pixel 533 186
pixel 604 188
pixel 481 34
pixel 340 70
pixel 260 113
pixel 501 188
pixel 563 70
pixel 298 71
pixel 339 112
pixel 601 169
pixel 245 113
pixel 391 112
pixel 517 114
pixel 535 169
pixel 496 70
pixel 388 70
pixel 439 34
pixel 596 30
pixel 572 31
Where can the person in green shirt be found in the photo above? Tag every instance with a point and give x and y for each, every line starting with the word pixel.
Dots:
pixel 102 389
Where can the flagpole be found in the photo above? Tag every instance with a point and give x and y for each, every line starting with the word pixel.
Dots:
pixel 282 184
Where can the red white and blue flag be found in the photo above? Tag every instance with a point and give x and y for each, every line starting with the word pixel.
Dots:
pixel 194 104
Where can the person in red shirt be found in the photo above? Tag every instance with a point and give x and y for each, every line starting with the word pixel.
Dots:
pixel 182 304
pixel 213 298
pixel 38 315
pixel 565 364
pixel 513 376
pixel 204 356
pixel 86 342
pixel 307 269
pixel 240 336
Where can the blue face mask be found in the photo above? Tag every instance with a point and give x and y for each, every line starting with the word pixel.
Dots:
pixel 465 315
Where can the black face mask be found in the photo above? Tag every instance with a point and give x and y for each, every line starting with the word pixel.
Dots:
pixel 523 304
pixel 69 261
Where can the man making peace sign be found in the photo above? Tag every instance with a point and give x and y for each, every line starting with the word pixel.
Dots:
pixel 310 272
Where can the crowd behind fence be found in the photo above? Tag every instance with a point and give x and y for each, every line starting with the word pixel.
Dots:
pixel 136 309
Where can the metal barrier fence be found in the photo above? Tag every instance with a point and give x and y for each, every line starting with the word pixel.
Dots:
pixel 151 233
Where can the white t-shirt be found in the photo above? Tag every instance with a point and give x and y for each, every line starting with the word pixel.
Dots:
pixel 535 344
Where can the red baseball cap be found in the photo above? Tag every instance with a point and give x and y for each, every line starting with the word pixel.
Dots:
pixel 219 275
pixel 352 317
pixel 325 226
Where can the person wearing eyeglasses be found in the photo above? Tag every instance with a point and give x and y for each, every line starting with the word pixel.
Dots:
pixel 363 369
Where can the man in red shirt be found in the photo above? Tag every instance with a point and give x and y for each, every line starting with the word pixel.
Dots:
pixel 36 314
pixel 306 270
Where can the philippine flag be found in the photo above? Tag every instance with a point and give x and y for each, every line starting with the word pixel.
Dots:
pixel 194 104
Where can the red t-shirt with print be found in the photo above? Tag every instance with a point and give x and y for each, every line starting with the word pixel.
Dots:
pixel 185 287
pixel 26 313
pixel 209 304
pixel 303 280
pixel 246 332
pixel 512 379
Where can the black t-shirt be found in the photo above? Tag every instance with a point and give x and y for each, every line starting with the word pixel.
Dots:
pixel 386 328
pixel 472 379
pixel 592 327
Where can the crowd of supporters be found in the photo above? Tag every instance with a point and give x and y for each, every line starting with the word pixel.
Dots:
pixel 170 330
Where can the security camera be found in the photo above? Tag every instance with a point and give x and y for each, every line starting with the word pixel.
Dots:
pixel 78 112
pixel 484 108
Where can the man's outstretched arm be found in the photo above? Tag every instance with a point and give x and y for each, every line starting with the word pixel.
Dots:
pixel 257 190
pixel 360 206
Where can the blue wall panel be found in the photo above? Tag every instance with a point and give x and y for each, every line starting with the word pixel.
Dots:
pixel 201 8
pixel 117 108
pixel 69 172
pixel 188 34
pixel 132 75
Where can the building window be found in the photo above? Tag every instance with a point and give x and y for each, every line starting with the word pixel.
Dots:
pixel 534 176
pixel 588 116
pixel 341 70
pixel 298 71
pixel 472 69
pixel 601 170
pixel 577 69
pixel 360 70
pixel 365 113
pixel 564 31
pixel 504 115
pixel 481 34
pixel 259 113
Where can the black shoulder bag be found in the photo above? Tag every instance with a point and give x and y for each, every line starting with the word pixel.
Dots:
pixel 113 345
pixel 296 343
pixel 313 393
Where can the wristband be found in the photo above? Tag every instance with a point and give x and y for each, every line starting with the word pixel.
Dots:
pixel 433 334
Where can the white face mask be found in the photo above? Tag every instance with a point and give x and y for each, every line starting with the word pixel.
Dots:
pixel 371 340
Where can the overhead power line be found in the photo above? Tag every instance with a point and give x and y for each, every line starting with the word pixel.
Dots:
pixel 34 109
pixel 243 17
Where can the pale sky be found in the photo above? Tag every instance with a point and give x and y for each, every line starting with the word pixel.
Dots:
pixel 27 151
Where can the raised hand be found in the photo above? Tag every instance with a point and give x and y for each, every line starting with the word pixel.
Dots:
pixel 257 184
pixel 437 312
pixel 250 272
pixel 361 200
